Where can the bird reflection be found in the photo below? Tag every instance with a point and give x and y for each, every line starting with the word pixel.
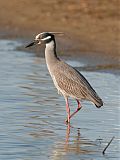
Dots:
pixel 74 143
pixel 67 133
pixel 71 145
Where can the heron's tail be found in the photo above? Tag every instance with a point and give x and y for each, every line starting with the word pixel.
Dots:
pixel 98 102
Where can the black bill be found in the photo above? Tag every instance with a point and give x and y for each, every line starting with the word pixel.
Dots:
pixel 31 44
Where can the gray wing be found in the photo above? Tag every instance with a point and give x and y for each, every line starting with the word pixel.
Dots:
pixel 74 84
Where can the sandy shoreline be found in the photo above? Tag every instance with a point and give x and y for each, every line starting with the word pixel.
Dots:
pixel 92 60
pixel 91 28
pixel 66 50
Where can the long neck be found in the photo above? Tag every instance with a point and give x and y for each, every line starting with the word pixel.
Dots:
pixel 50 52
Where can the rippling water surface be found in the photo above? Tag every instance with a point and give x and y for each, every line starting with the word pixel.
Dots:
pixel 32 114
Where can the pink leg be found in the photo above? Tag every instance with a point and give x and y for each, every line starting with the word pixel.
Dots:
pixel 67 134
pixel 79 107
pixel 68 110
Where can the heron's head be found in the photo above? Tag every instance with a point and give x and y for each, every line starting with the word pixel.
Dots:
pixel 43 38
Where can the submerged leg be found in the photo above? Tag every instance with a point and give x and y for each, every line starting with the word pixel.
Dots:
pixel 78 108
pixel 67 134
pixel 68 110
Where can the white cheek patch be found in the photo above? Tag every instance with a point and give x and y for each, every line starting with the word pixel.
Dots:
pixel 46 38
pixel 38 36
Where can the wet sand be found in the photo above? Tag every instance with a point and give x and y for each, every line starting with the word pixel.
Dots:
pixel 91 27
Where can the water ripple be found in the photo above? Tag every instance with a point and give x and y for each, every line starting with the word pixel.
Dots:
pixel 32 113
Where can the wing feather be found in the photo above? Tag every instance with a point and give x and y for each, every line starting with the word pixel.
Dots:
pixel 73 83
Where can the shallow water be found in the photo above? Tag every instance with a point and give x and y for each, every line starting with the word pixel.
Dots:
pixel 32 113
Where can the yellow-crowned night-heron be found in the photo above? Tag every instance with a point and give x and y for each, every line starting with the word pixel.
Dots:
pixel 68 81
